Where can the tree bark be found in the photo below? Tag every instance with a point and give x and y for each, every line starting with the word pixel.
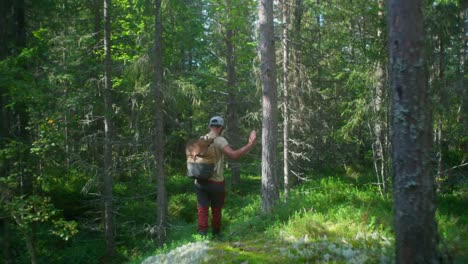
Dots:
pixel 20 23
pixel 269 189
pixel 13 35
pixel 159 128
pixel 30 245
pixel 296 85
pixel 5 30
pixel 108 131
pixel 438 141
pixel 286 104
pixel 413 184
pixel 233 120
pixel 6 241
pixel 463 109
pixel 439 132
pixel 97 15
pixel 319 41
pixel 379 147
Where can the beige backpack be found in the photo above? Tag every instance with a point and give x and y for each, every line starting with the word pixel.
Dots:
pixel 201 158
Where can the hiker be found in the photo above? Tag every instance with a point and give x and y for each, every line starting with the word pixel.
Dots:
pixel 212 191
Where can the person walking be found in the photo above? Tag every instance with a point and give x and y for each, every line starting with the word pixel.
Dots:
pixel 212 192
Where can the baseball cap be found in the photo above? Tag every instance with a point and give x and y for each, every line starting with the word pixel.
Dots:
pixel 216 121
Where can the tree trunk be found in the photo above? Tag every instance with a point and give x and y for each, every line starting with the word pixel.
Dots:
pixel 463 109
pixel 233 120
pixel 20 23
pixel 379 147
pixel 319 41
pixel 13 35
pixel 286 122
pixel 439 130
pixel 6 241
pixel 5 30
pixel 296 87
pixel 269 189
pixel 30 245
pixel 97 15
pixel 159 128
pixel 5 172
pixel 109 131
pixel 25 158
pixel 5 124
pixel 438 141
pixel 413 184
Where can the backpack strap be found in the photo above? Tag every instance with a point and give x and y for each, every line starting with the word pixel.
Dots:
pixel 205 137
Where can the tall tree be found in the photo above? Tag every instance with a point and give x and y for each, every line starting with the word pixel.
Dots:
pixel 15 119
pixel 20 20
pixel 380 145
pixel 108 140
pixel 233 119
pixel 286 104
pixel 159 127
pixel 269 189
pixel 296 83
pixel 462 115
pixel 413 184
pixel 6 115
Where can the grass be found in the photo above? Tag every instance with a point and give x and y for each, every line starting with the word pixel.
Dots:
pixel 335 219
pixel 325 220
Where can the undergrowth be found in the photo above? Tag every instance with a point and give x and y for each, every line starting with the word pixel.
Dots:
pixel 327 219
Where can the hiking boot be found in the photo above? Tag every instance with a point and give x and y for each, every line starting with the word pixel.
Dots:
pixel 217 234
pixel 202 233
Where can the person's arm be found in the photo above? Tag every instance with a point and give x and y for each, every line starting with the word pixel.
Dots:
pixel 236 154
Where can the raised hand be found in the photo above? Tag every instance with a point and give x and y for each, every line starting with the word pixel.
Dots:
pixel 252 137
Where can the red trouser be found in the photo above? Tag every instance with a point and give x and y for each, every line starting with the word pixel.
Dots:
pixel 210 193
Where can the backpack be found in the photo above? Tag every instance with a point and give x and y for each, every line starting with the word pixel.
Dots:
pixel 201 158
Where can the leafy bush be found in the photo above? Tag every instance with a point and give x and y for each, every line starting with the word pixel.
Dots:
pixel 183 207
pixel 82 250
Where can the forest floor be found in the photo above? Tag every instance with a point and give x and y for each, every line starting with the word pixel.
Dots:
pixel 267 251
pixel 325 220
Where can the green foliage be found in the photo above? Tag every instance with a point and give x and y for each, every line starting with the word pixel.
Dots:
pixel 17 79
pixel 52 131
pixel 81 250
pixel 65 229
pixel 27 210
pixel 182 207
pixel 328 219
pixel 450 220
pixel 337 210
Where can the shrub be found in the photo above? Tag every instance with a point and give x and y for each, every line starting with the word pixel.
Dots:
pixel 183 207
